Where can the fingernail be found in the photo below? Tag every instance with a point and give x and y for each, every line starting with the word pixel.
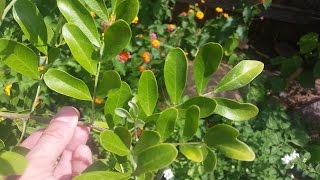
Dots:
pixel 67 114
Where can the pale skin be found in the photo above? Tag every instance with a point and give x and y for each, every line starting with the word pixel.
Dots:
pixel 58 152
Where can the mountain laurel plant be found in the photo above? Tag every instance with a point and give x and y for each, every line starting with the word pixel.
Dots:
pixel 127 113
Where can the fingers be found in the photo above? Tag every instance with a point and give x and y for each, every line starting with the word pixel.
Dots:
pixel 32 140
pixel 55 138
pixel 63 170
pixel 80 137
pixel 81 159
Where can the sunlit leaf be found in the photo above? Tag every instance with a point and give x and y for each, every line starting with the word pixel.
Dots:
pixel 166 122
pixel 148 92
pixel 175 74
pixel 67 85
pixel 110 141
pixel 99 7
pixel 206 105
pixel 206 63
pixel 192 152
pixel 103 175
pixel 19 58
pixel 191 122
pixel 242 74
pixel 127 10
pixel 77 14
pixel 12 163
pixel 146 140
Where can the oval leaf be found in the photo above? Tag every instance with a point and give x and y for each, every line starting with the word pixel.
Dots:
pixel 99 7
pixel 166 122
pixel 210 162
pixel 32 24
pixel 124 135
pixel 110 81
pixel 76 13
pixel 191 122
pixel 19 57
pixel 12 164
pixel 242 74
pixel 82 49
pixel 155 157
pixel 65 84
pixel 103 175
pixel 206 105
pixel 193 153
pixel 2 6
pixel 110 141
pixel 234 110
pixel 127 10
pixel 175 74
pixel 205 64
pixel 116 38
pixel 146 140
pixel 224 137
pixel 148 92
pixel 117 100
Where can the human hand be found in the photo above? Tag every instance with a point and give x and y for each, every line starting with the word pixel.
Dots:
pixel 58 152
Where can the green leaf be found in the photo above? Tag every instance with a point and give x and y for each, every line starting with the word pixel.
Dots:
pixel 316 70
pixel 242 74
pixel 76 13
pixel 192 152
pixel 234 110
pixel 19 58
pixel 82 49
pixel 155 157
pixel 53 54
pixel 308 43
pixel 110 141
pixel 191 122
pixel 32 24
pixel 127 10
pixel 166 122
pixel 2 145
pixel 124 114
pixel 206 105
pixel 12 164
pixel 116 38
pixel 99 7
pixel 267 3
pixel 206 63
pixel 224 137
pixel 2 6
pixel 103 175
pixel 148 92
pixel 65 84
pixel 111 81
pixel 146 140
pixel 117 100
pixel 315 152
pixel 124 135
pixel 98 165
pixel 210 162
pixel 175 74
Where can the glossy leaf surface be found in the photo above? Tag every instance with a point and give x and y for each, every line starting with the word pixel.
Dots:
pixel 242 74
pixel 148 92
pixel 65 84
pixel 110 141
pixel 175 74
pixel 206 63
pixel 166 122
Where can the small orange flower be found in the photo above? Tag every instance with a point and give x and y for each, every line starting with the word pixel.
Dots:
pixel 93 14
pixel 155 43
pixel 203 1
pixel 146 57
pixel 142 68
pixel 200 15
pixel 226 15
pixel 124 56
pixel 183 13
pixel 219 10
pixel 135 20
pixel 196 4
pixel 40 68
pixel 98 100
pixel 8 89
pixel 171 27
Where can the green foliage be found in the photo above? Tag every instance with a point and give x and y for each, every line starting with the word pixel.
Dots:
pixel 175 74
pixel 12 163
pixel 131 126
